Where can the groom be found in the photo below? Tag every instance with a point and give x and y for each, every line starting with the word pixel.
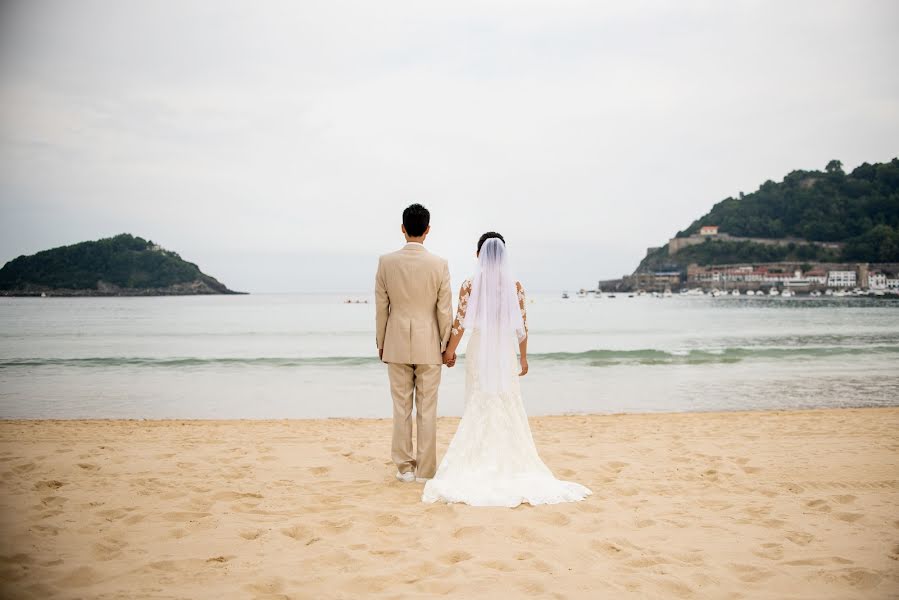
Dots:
pixel 414 316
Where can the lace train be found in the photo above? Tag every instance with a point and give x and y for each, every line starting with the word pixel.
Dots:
pixel 492 459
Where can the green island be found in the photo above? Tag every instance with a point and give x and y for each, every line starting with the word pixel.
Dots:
pixel 122 265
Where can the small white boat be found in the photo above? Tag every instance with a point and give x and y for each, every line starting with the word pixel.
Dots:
pixel 773 292
pixel 787 294
pixel 828 292
pixel 564 295
pixel 839 294
pixel 667 294
pixel 735 293
pixel 750 292
pixel 814 293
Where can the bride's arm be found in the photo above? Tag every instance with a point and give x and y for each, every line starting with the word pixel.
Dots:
pixel 523 344
pixel 457 331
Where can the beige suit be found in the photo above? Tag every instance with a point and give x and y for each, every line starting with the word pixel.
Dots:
pixel 414 316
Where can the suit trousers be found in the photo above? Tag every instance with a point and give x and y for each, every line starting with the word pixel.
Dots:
pixel 416 383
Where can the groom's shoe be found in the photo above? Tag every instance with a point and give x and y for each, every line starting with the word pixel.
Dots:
pixel 407 477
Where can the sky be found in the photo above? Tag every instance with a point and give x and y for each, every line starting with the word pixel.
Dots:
pixel 275 144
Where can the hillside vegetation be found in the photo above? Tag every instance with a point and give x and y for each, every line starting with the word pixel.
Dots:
pixel 859 209
pixel 124 261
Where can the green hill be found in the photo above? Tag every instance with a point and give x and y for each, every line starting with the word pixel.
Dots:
pixel 859 210
pixel 120 265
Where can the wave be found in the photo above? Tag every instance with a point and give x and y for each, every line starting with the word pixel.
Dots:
pixel 592 358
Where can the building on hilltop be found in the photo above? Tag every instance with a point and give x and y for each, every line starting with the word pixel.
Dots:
pixel 708 230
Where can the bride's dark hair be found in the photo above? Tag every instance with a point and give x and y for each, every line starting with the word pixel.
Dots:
pixel 487 236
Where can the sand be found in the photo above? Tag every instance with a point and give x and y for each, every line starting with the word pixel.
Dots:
pixel 715 505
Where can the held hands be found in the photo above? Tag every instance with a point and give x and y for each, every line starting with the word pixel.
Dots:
pixel 449 359
pixel 524 367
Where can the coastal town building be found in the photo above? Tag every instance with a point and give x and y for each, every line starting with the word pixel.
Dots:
pixel 877 281
pixel 841 279
pixel 708 230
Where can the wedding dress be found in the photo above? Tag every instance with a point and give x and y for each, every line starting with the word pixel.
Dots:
pixel 492 459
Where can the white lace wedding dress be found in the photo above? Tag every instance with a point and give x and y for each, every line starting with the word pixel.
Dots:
pixel 492 459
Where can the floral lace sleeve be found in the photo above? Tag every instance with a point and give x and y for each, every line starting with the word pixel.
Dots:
pixel 464 293
pixel 521 304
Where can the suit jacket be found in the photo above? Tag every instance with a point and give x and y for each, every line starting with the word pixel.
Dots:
pixel 413 305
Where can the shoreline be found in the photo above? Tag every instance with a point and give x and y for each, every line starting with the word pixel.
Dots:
pixel 673 413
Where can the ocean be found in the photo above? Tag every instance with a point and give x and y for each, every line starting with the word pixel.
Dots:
pixel 313 356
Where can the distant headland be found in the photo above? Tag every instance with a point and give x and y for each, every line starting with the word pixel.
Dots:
pixel 123 265
pixel 815 229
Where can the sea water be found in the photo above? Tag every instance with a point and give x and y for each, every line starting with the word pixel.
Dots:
pixel 314 355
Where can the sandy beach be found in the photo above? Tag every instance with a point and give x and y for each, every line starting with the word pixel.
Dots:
pixel 709 505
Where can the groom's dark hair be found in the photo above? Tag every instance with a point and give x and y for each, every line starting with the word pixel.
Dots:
pixel 487 236
pixel 416 219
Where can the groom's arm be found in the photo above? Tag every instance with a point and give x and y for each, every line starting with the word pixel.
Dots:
pixel 444 307
pixel 382 307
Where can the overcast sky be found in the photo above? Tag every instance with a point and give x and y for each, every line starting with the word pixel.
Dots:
pixel 276 144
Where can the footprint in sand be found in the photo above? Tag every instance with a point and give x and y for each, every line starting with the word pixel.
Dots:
pixel 464 532
pixel 557 519
pixel 456 556
pixel 609 549
pixel 386 520
pixel 89 466
pixel 54 500
pixel 848 517
pixel 50 484
pixel 108 549
pixel 800 538
pixel 819 505
pixel 251 534
pixel 16 566
pixel 497 565
pixel 770 550
pixel 297 532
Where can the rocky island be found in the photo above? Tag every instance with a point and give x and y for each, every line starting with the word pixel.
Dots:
pixel 123 265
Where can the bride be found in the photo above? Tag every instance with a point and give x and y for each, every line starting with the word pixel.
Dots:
pixel 492 460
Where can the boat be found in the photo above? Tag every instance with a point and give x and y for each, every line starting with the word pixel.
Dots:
pixel 750 292
pixel 582 293
pixel 828 292
pixel 735 293
pixel 565 295
pixel 814 293
pixel 773 292
pixel 787 294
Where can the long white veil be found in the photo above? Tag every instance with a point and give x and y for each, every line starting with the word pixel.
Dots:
pixel 494 311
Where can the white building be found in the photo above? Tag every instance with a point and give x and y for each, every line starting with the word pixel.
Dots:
pixel 892 284
pixel 877 281
pixel 841 279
